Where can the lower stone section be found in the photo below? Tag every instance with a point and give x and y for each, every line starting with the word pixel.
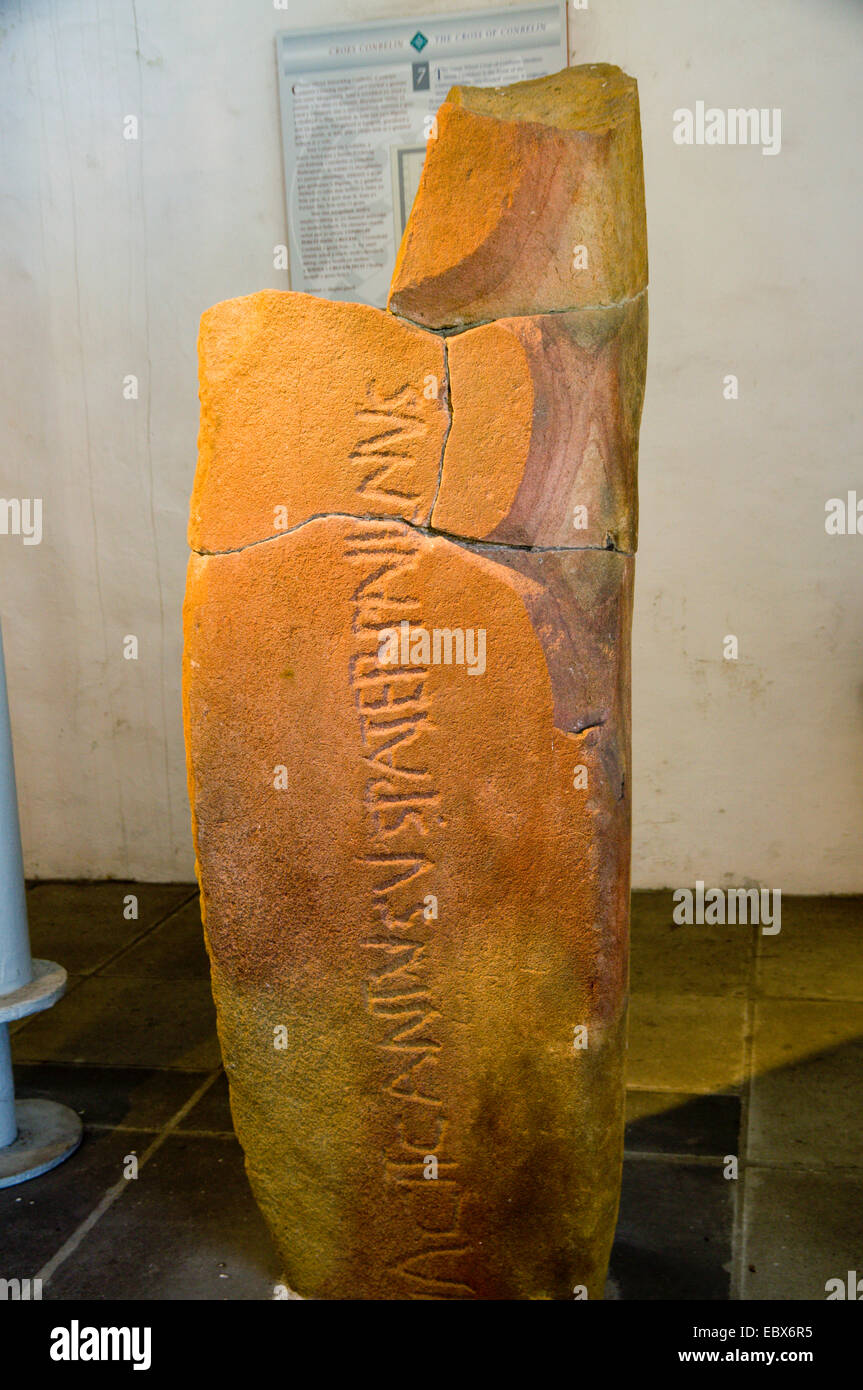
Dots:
pixel 414 874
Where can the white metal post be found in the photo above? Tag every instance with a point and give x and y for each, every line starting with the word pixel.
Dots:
pixel 15 965
pixel 35 1135
pixel 8 1123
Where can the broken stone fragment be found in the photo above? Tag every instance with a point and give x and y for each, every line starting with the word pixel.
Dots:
pixel 408 881
pixel 531 199
pixel 294 424
pixel 407 718
pixel 543 448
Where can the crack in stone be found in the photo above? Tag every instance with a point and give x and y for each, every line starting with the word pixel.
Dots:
pixel 452 330
pixel 590 724
pixel 448 402
pixel 469 542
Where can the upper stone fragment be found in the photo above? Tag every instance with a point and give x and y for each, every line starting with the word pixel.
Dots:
pixel 543 448
pixel 531 199
pixel 310 407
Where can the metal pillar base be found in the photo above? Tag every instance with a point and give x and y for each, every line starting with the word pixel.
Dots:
pixel 46 987
pixel 47 1134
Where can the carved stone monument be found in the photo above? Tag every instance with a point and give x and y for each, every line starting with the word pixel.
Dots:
pixel 406 699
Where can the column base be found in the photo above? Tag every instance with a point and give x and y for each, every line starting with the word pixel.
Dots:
pixel 47 1134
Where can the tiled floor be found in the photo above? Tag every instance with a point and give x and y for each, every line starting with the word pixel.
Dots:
pixel 742 1047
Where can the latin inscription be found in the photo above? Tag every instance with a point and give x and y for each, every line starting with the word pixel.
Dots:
pixel 402 809
pixel 385 454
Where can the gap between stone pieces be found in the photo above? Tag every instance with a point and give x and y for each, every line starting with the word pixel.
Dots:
pixel 452 330
pixel 469 542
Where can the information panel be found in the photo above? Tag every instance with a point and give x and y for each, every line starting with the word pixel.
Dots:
pixel 356 105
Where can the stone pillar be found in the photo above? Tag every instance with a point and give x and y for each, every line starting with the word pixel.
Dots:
pixel 406 699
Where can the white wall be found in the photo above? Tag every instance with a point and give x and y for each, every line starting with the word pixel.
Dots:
pixel 746 770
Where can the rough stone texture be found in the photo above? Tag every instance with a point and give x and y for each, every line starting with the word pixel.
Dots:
pixel 541 168
pixel 546 412
pixel 285 380
pixel 405 1037
pixel 415 876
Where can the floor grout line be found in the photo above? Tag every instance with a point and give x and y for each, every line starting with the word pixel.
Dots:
pixel 657 1089
pixel 674 1159
pixel 810 1168
pixel 738 1234
pixel 81 976
pixel 47 1272
pixel 142 936
pixel 103 1127
pixel 115 1066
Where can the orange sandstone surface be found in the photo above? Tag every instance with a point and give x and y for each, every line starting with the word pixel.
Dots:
pixel 406 702
pixel 531 199
pixel 543 448
pixel 307 408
